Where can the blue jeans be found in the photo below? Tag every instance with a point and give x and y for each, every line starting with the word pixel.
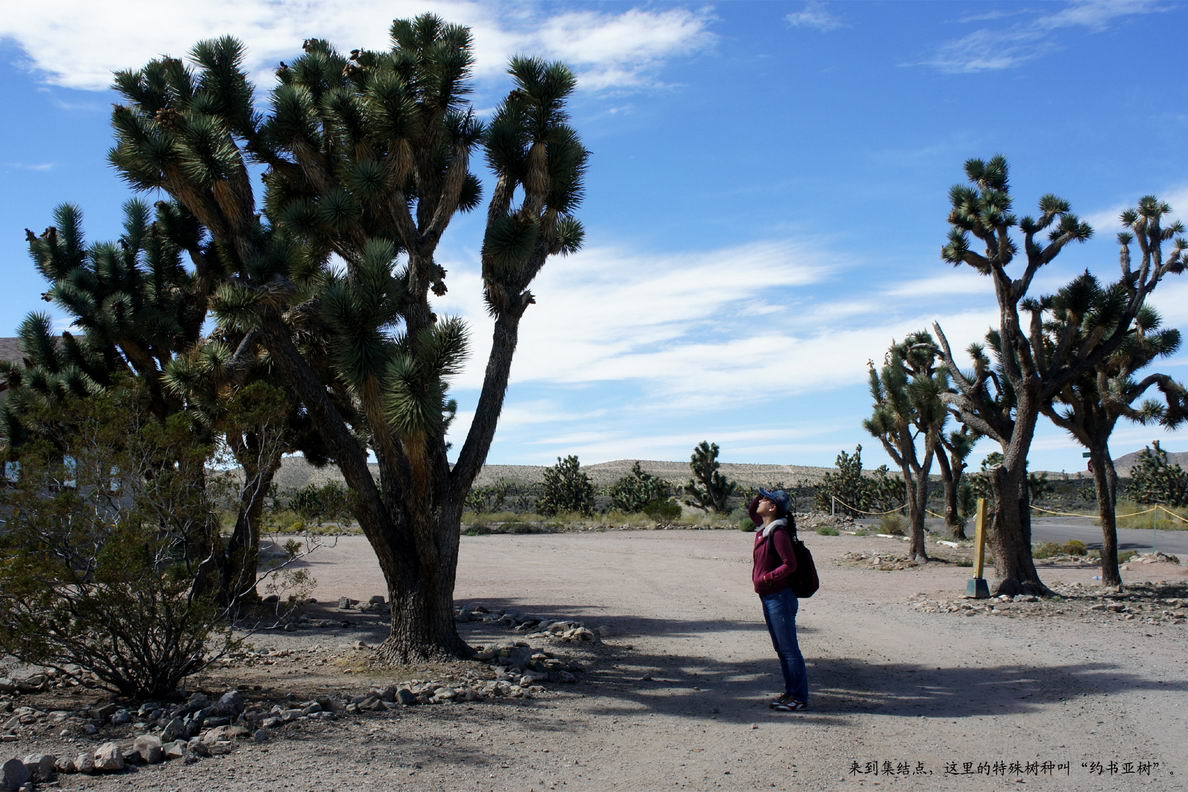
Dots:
pixel 779 611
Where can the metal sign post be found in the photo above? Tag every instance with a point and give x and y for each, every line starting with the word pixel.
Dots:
pixel 977 586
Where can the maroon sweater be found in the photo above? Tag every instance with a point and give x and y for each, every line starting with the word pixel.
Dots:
pixel 775 560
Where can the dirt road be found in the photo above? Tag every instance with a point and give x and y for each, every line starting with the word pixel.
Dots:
pixel 679 700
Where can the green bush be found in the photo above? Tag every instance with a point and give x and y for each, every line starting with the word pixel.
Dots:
pixel 1126 555
pixel 828 530
pixel 848 491
pixel 1047 550
pixel 1154 479
pixel 329 502
pixel 96 574
pixel 663 510
pixel 566 489
pixel 894 524
pixel 638 490
pixel 1075 547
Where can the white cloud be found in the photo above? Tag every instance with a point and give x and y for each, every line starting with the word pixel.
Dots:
pixel 69 42
pixel 736 444
pixel 693 330
pixel 815 15
pixel 996 49
pixel 29 166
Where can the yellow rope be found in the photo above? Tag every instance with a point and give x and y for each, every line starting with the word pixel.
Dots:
pixel 1116 516
pixel 860 511
pixel 1163 509
pixel 1171 513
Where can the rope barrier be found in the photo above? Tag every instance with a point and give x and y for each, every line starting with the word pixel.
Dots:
pixel 860 511
pixel 1157 507
pixel 1154 508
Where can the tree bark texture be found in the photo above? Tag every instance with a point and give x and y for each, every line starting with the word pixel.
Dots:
pixel 951 478
pixel 1105 480
pixel 241 559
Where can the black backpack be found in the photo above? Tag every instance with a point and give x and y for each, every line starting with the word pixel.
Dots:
pixel 804 580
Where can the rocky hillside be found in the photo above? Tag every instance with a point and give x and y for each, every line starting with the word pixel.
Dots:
pixel 1125 463
pixel 295 473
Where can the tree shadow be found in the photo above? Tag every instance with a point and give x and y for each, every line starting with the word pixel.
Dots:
pixel 737 690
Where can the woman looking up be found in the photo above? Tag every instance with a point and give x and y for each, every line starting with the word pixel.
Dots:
pixel 775 564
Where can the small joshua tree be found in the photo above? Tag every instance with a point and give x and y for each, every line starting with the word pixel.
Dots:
pixel 908 419
pixel 1155 480
pixel 636 491
pixel 708 489
pixel 566 489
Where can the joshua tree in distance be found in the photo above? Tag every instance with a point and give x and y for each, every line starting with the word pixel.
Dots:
pixel 367 157
pixel 1004 402
pixel 1089 406
pixel 951 455
pixel 708 489
pixel 908 411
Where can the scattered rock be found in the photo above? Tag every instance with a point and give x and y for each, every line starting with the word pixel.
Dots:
pixel 225 734
pixel 150 749
pixel 41 767
pixel 15 775
pixel 109 758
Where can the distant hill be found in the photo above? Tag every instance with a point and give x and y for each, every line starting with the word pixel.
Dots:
pixel 1125 463
pixel 295 473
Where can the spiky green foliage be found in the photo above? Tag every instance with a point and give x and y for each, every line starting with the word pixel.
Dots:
pixel 708 489
pixel 567 488
pixel 1154 479
pixel 638 490
pixel 366 160
pixel 849 491
pixel 1033 362
pixel 909 419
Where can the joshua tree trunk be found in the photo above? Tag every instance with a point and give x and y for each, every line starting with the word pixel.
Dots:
pixel 241 558
pixel 916 491
pixel 1105 479
pixel 952 483
pixel 1013 565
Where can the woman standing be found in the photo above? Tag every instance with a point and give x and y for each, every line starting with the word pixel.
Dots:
pixel 775 564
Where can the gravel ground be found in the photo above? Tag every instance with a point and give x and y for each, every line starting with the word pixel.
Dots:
pixel 675 698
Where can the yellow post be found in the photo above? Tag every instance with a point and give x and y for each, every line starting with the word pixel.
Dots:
pixel 977 587
pixel 980 540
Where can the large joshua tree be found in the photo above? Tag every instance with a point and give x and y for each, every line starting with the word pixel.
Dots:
pixel 366 159
pixel 1004 401
pixel 908 419
pixel 1089 406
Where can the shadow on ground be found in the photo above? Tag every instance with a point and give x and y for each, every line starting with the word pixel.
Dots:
pixel 689 685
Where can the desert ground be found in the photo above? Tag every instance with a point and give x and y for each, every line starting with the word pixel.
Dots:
pixel 903 693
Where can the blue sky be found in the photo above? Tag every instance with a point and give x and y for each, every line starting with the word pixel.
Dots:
pixel 766 198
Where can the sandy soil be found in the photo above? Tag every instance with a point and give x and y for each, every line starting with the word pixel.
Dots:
pixel 676 697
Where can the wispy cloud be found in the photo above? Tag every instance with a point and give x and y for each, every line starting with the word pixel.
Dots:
pixel 29 166
pixel 815 15
pixel 69 42
pixel 999 48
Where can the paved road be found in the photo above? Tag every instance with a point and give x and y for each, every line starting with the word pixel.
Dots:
pixel 1061 530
